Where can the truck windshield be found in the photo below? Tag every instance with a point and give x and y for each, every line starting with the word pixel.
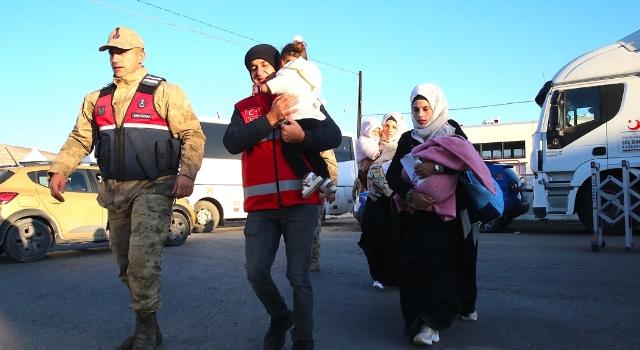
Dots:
pixel 578 106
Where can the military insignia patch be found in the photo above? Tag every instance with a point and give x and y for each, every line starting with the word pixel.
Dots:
pixel 140 116
pixel 142 103
pixel 100 110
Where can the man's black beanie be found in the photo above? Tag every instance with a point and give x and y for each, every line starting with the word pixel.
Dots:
pixel 265 52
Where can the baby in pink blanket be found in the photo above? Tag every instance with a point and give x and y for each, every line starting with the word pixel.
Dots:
pixel 453 152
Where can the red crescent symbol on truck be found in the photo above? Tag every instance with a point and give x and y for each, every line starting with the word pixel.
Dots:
pixel 635 127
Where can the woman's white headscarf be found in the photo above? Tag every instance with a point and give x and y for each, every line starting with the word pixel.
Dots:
pixel 401 124
pixel 437 125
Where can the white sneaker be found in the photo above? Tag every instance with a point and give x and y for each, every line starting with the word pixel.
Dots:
pixel 327 188
pixel 427 336
pixel 377 284
pixel 471 317
pixel 310 184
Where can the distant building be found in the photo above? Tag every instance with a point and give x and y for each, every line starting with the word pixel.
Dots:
pixel 504 143
pixel 10 155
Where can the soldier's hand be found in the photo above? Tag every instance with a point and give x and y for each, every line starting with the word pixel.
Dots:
pixel 291 132
pixel 183 186
pixel 56 185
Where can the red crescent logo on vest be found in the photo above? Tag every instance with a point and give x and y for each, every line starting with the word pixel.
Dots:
pixel 252 113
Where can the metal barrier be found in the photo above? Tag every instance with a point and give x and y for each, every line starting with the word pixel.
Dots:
pixel 620 200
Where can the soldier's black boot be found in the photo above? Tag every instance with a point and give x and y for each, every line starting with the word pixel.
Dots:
pixel 127 344
pixel 145 339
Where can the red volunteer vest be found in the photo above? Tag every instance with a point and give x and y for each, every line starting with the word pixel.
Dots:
pixel 268 180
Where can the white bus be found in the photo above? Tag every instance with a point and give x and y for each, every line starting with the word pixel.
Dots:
pixel 218 195
pixel 347 172
pixel 217 192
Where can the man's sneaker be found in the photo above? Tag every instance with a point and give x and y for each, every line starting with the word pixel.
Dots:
pixel 310 184
pixel 327 188
pixel 427 336
pixel 303 344
pixel 377 284
pixel 277 333
pixel 471 317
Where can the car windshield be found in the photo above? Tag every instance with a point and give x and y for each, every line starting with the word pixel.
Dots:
pixel 512 173
pixel 5 174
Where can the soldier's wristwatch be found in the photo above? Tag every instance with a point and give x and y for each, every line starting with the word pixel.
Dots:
pixel 439 169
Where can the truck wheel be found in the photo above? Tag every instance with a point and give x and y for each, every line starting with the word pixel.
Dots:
pixel 180 229
pixel 27 240
pixel 207 216
pixel 584 210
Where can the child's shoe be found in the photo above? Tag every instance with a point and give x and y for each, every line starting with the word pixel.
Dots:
pixel 309 184
pixel 327 188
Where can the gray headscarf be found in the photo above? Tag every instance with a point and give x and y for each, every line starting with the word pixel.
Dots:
pixel 437 125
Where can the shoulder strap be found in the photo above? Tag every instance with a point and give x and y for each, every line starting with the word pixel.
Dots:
pixel 149 84
pixel 107 90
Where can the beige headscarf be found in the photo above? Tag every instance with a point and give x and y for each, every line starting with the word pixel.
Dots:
pixel 402 127
pixel 437 125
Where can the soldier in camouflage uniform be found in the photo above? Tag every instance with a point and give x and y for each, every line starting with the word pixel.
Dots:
pixel 330 158
pixel 140 179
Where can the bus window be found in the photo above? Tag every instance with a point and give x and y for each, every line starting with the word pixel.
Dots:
pixel 344 152
pixel 213 147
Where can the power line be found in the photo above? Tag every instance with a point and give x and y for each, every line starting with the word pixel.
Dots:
pixel 167 23
pixel 463 108
pixel 205 34
pixel 195 20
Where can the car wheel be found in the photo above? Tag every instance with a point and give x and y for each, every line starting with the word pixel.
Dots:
pixel 492 226
pixel 207 216
pixel 1 250
pixel 27 240
pixel 180 229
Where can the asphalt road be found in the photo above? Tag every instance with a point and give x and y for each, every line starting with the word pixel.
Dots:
pixel 540 288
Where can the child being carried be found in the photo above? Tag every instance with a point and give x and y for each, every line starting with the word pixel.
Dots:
pixel 302 78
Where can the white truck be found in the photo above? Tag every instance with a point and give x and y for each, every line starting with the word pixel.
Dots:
pixel 590 113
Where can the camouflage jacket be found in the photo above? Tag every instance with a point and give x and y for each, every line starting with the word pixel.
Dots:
pixel 171 103
pixel 330 158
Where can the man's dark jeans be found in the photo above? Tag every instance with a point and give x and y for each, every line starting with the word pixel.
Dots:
pixel 262 237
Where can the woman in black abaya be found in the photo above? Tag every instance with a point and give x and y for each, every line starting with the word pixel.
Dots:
pixel 382 226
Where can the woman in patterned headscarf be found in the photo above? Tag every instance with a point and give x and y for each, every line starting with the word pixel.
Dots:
pixel 382 227
pixel 437 259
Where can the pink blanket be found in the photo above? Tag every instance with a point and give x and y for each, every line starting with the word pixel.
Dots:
pixel 453 152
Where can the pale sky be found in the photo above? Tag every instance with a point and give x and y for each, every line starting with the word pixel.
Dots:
pixel 479 52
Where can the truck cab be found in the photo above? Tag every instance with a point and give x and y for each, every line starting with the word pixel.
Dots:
pixel 591 113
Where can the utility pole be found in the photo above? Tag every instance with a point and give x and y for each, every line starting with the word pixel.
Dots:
pixel 359 102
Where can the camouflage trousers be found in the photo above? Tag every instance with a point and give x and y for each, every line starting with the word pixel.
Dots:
pixel 317 243
pixel 136 239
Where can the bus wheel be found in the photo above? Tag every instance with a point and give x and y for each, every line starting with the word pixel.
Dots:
pixel 207 216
